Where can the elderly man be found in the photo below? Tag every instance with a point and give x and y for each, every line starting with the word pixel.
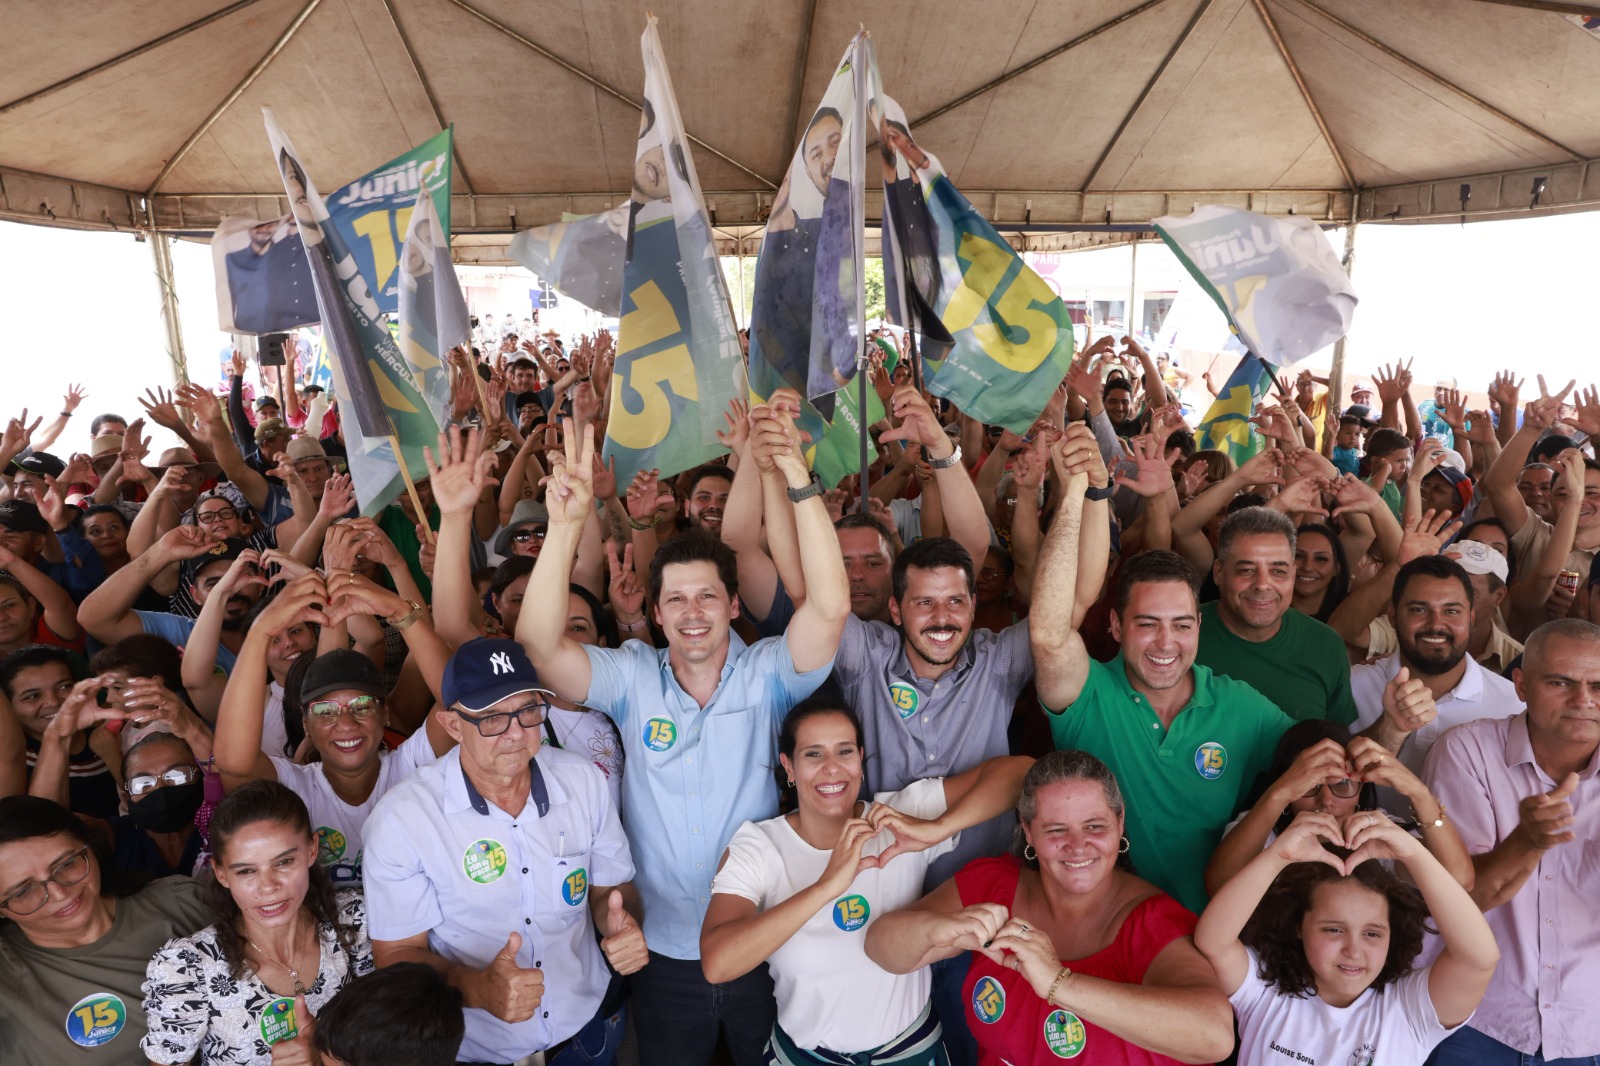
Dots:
pixel 1524 795
pixel 498 864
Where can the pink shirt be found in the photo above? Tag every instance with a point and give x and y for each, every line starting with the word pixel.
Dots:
pixel 1544 991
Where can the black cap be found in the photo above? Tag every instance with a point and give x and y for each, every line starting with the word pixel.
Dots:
pixel 223 551
pixel 20 516
pixel 341 669
pixel 41 463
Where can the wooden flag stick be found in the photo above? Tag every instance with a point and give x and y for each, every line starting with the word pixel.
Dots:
pixel 411 486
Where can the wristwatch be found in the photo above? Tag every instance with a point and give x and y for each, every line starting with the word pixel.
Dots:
pixel 408 620
pixel 1103 492
pixel 948 461
pixel 812 489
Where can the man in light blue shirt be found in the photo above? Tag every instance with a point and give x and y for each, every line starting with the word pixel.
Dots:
pixel 492 866
pixel 699 724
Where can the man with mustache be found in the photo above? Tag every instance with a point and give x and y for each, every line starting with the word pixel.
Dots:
pixel 708 498
pixel 1433 607
pixel 1252 634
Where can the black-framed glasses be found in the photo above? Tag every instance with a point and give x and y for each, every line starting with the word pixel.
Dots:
pixel 35 894
pixel 361 708
pixel 530 716
pixel 1344 788
pixel 527 533
pixel 144 784
pixel 221 514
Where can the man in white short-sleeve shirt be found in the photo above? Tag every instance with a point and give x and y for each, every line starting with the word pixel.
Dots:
pixel 497 863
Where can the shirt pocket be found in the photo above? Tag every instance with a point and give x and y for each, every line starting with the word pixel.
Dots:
pixel 569 881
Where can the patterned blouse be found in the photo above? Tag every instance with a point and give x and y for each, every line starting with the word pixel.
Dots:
pixel 195 1008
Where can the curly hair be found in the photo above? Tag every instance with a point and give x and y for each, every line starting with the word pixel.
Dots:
pixel 1273 931
pixel 262 801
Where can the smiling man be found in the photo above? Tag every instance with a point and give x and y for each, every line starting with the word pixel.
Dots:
pixel 1434 607
pixel 1185 743
pixel 1252 634
pixel 708 498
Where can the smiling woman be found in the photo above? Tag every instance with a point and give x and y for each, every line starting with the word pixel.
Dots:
pixel 69 922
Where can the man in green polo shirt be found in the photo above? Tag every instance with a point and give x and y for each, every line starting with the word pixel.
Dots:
pixel 1252 633
pixel 1185 744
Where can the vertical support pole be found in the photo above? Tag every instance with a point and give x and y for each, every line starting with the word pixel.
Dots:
pixel 1336 397
pixel 1131 324
pixel 161 250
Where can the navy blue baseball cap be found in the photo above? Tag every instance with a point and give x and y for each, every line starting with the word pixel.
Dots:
pixel 485 671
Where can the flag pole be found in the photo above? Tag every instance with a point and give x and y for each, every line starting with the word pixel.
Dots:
pixel 858 225
pixel 411 486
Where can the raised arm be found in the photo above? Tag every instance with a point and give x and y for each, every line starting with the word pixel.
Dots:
pixel 207 411
pixel 200 650
pixel 1322 763
pixel 458 478
pixel 60 613
pixel 963 511
pixel 107 613
pixel 741 519
pixel 814 632
pixel 1061 662
pixel 541 629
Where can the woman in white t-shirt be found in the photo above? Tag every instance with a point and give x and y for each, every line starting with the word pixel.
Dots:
pixel 797 892
pixel 242 991
pixel 1315 948
pixel 1318 767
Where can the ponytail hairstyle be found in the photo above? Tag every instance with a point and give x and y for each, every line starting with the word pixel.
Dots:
pixel 262 801
pixel 788 732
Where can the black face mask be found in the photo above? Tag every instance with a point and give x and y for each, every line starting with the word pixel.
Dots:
pixel 169 809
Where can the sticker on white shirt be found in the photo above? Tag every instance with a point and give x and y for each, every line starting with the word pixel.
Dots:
pixel 96 1019
pixel 484 861
pixel 1210 759
pixel 331 845
pixel 660 734
pixel 572 882
pixel 277 1021
pixel 851 912
pixel 988 1000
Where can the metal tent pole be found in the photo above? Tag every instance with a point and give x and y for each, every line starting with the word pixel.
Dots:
pixel 161 250
pixel 1336 402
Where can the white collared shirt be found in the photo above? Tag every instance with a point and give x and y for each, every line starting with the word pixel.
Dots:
pixel 442 860
pixel 1479 694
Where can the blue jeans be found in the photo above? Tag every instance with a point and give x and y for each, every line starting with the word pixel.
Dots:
pixel 677 1013
pixel 1468 1047
pixel 951 1008
pixel 593 1045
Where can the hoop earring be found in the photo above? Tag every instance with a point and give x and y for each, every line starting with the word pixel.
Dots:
pixel 1126 844
pixel 1029 854
pixel 791 785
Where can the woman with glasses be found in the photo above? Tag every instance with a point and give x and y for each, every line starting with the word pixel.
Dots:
pixel 243 991
pixel 342 699
pixel 75 937
pixel 162 784
pixel 1318 767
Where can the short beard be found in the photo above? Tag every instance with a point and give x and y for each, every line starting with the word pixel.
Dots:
pixel 1408 652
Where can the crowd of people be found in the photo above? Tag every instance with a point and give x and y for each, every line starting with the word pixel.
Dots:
pixel 1078 743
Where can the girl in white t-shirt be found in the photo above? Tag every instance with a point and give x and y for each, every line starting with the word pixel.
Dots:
pixel 1315 948
pixel 799 891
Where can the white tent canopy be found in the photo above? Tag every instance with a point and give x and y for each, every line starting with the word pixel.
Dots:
pixel 1057 116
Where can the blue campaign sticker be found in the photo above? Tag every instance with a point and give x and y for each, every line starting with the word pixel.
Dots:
pixel 660 734
pixel 851 912
pixel 575 886
pixel 1210 759
pixel 988 1000
pixel 96 1019
pixel 905 698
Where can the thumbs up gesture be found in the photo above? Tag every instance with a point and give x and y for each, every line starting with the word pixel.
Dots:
pixel 1547 817
pixel 300 1049
pixel 1407 703
pixel 505 989
pixel 622 939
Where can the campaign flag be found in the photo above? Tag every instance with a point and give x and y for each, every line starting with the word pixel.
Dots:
pixel 679 361
pixel 1277 279
pixel 997 340
pixel 433 313
pixel 581 256
pixel 373 212
pixel 263 280
pixel 381 401
pixel 838 454
pixel 1226 426
pixel 808 238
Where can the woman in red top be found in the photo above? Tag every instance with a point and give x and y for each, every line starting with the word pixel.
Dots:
pixel 1072 956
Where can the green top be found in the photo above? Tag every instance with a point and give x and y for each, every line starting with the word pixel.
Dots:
pixel 1391 496
pixel 1183 785
pixel 393 521
pixel 1303 669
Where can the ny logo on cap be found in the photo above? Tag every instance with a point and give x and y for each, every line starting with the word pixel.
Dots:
pixel 500 661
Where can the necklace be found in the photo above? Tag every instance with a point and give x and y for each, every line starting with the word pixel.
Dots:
pixel 299 986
